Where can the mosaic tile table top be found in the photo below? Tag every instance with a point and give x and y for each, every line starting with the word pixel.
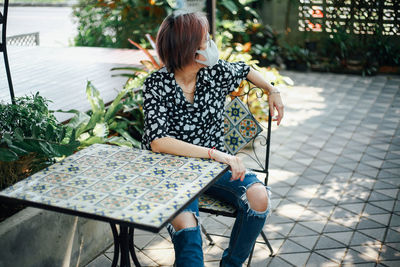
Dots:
pixel 119 183
pixel 240 126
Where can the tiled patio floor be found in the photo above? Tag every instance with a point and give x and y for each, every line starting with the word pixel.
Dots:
pixel 335 175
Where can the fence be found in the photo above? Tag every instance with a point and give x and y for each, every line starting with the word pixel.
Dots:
pixel 357 17
pixel 28 39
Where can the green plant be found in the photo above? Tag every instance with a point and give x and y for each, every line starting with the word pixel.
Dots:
pixel 260 39
pixel 336 45
pixel 242 9
pixel 384 49
pixel 297 57
pixel 109 23
pixel 29 127
pixel 31 138
pixel 267 53
pixel 101 124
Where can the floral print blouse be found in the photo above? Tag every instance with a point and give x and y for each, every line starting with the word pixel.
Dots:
pixel 168 113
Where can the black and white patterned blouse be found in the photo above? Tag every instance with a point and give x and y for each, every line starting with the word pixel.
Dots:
pixel 168 113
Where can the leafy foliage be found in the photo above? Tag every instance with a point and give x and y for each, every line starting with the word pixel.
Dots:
pixel 109 23
pixel 29 127
pixel 27 111
pixel 248 29
pixel 106 125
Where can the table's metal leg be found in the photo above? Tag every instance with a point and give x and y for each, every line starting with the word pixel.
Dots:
pixel 132 246
pixel 124 246
pixel 124 239
pixel 116 245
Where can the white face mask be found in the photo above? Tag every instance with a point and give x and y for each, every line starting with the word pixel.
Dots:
pixel 211 53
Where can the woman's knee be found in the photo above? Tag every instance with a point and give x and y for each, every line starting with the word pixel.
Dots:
pixel 184 220
pixel 257 197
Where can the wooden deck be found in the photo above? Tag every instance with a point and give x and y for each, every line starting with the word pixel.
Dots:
pixel 60 74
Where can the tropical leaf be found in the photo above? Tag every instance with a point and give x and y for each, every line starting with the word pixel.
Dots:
pixel 62 134
pixel 7 155
pixel 19 151
pixel 133 69
pixel 78 120
pixel 48 149
pixel 129 75
pixel 93 96
pixel 49 131
pixel 66 150
pixel 25 145
pixel 94 119
pixel 75 111
pixel 35 131
pixel 115 106
pixel 151 40
pixel 19 134
pixel 128 137
pixel 155 64
pixel 231 6
pixel 93 140
pixel 149 65
pixel 7 138
pixel 120 141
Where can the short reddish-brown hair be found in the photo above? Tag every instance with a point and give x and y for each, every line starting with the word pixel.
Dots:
pixel 179 37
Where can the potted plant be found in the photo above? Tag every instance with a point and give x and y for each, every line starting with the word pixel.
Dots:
pixel 296 57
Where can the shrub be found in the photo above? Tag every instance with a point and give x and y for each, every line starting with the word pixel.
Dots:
pixel 106 23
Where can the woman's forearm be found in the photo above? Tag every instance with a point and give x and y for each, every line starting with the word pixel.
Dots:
pixel 274 99
pixel 174 146
pixel 256 78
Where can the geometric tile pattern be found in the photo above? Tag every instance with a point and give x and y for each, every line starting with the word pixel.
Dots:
pixel 120 183
pixel 240 127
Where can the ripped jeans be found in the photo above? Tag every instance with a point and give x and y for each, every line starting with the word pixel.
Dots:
pixel 248 225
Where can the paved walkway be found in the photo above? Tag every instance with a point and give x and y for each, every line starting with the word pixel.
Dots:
pixel 60 74
pixel 335 174
pixel 54 24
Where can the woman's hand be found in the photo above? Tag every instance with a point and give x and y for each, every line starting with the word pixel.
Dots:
pixel 275 102
pixel 236 164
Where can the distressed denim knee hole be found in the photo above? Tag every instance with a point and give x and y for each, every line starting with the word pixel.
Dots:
pixel 252 212
pixel 172 231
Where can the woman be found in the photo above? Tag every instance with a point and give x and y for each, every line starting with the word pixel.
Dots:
pixel 183 106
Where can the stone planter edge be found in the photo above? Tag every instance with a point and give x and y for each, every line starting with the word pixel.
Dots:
pixel 36 237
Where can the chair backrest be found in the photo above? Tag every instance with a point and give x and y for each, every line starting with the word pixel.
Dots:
pixel 242 131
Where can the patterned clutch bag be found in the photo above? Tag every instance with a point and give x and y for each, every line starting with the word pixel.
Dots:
pixel 240 126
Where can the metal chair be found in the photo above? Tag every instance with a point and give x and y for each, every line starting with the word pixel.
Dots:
pixel 208 204
pixel 3 47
